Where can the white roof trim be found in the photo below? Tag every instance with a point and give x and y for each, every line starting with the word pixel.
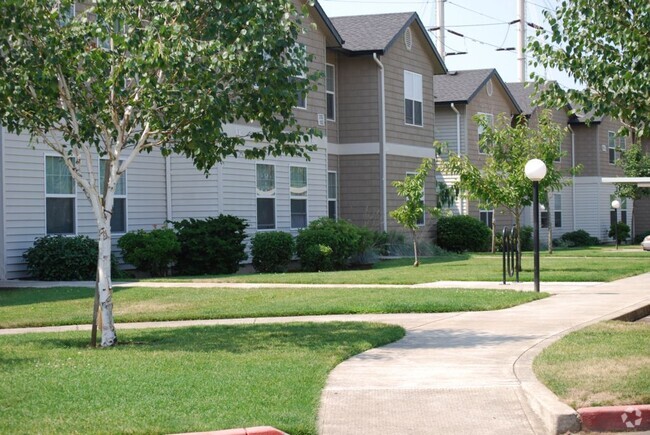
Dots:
pixel 640 181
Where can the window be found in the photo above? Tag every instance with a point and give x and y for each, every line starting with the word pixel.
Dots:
pixel 487 217
pixel 118 26
pixel 543 215
pixel 412 98
pixel 298 192
pixel 557 210
pixel 66 14
pixel 265 193
pixel 481 130
pixel 60 197
pixel 331 99
pixel 624 211
pixel 615 144
pixel 118 219
pixel 301 51
pixel 332 195
pixel 420 221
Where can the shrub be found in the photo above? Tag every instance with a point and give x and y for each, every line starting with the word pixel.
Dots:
pixel 272 251
pixel 463 233
pixel 639 237
pixel 60 258
pixel 210 246
pixel 578 238
pixel 327 244
pixel 151 252
pixel 526 235
pixel 369 246
pixel 623 231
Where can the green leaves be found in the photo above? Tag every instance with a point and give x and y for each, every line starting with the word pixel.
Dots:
pixel 605 48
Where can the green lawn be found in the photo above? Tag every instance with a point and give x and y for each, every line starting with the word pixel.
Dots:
pixel 593 264
pixel 176 380
pixel 72 305
pixel 604 364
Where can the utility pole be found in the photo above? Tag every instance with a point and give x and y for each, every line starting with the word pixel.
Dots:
pixel 440 22
pixel 521 40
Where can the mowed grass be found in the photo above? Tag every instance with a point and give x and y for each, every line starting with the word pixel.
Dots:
pixel 604 364
pixel 570 265
pixel 176 380
pixel 71 305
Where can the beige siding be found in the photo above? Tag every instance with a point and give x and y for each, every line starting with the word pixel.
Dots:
pixel 359 190
pixel 358 100
pixel 417 60
pixel 587 149
pixel 396 169
pixel 608 169
pixel 642 215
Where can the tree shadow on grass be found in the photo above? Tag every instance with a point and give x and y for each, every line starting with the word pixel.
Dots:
pixel 33 296
pixel 239 339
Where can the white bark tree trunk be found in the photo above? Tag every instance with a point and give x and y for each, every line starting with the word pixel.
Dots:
pixel 109 337
pixel 415 248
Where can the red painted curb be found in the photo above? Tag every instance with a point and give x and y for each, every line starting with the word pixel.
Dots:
pixel 259 430
pixel 628 418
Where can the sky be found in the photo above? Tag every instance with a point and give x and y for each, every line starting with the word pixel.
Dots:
pixel 483 24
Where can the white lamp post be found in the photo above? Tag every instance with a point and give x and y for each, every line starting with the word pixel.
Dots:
pixel 616 204
pixel 535 171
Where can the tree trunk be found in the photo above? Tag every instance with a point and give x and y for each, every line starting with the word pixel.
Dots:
pixel 415 248
pixel 109 337
pixel 494 235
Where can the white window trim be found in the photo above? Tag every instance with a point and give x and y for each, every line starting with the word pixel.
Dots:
pixel 485 210
pixel 293 197
pixel 332 92
pixel 59 195
pixel 124 196
pixel 478 131
pixel 558 197
pixel 414 99
pixel 336 199
pixel 424 199
pixel 274 196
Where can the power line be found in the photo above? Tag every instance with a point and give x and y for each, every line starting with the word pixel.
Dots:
pixel 472 10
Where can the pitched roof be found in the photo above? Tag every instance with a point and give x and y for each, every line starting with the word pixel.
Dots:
pixel 367 34
pixel 523 93
pixel 462 86
pixel 338 41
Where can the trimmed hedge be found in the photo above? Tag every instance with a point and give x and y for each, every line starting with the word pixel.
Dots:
pixel 327 244
pixel 272 251
pixel 61 258
pixel 578 238
pixel 463 233
pixel 212 246
pixel 151 252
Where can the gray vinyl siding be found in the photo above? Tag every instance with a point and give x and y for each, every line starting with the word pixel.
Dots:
pixel 359 190
pixel 358 116
pixel 445 128
pixel 24 198
pixel 593 205
pixel 396 169
pixel 2 206
pixel 418 60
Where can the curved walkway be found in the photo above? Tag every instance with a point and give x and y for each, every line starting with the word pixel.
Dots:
pixel 454 373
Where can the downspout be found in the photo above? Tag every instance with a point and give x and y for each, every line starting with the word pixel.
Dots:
pixel 573 177
pixel 168 187
pixel 453 107
pixel 382 144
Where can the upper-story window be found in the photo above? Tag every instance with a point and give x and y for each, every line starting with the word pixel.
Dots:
pixel 331 89
pixel 615 144
pixel 118 218
pixel 481 130
pixel 66 14
pixel 299 50
pixel 60 197
pixel 412 98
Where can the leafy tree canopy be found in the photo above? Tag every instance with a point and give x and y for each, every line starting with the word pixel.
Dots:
pixel 144 74
pixel 604 46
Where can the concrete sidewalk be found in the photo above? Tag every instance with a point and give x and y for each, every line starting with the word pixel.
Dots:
pixel 453 373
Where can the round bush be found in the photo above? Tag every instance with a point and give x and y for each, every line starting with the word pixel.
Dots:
pixel 151 252
pixel 59 258
pixel 578 238
pixel 463 233
pixel 314 243
pixel 210 246
pixel 623 231
pixel 272 251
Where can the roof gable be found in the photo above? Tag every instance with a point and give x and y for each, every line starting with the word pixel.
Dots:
pixel 463 86
pixel 368 34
